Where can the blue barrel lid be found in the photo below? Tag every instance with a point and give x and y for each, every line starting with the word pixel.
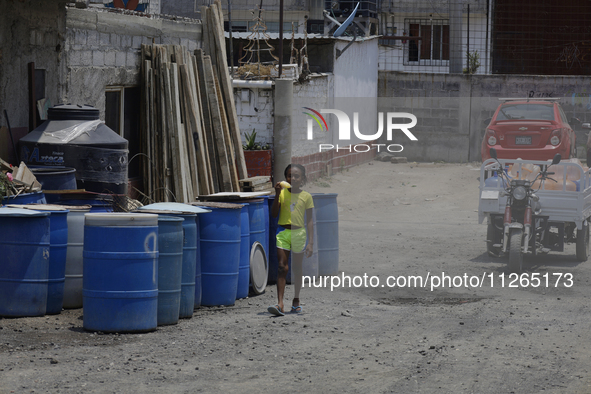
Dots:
pixel 19 212
pixel 40 207
pixel 174 206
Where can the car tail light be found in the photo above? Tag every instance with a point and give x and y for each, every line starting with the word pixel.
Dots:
pixel 555 137
pixel 490 137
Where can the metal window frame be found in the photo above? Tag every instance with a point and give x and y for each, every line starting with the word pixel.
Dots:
pixel 424 62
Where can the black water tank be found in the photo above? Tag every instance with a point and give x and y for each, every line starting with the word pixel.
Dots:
pixel 98 155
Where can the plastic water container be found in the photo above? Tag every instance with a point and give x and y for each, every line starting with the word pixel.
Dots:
pixel 120 272
pixel 25 198
pixel 170 266
pixel 74 257
pixel 58 228
pixel 327 223
pixel 191 287
pixel 55 178
pixel 24 247
pixel 220 254
pixel 245 246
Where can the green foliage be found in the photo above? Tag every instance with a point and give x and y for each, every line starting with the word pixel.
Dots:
pixel 5 185
pixel 251 143
pixel 473 62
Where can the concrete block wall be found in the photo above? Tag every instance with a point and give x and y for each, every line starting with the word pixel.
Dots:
pixel 314 93
pixel 104 49
pixel 30 31
pixel 452 109
pixel 254 107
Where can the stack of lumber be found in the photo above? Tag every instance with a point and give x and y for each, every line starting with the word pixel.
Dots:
pixel 191 139
pixel 256 184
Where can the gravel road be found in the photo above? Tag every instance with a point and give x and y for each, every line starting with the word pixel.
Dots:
pixel 395 220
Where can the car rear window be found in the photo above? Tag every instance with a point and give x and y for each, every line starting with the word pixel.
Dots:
pixel 526 111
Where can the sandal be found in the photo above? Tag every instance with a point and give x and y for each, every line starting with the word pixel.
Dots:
pixel 275 310
pixel 296 309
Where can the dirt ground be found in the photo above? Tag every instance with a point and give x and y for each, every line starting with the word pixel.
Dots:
pixel 394 220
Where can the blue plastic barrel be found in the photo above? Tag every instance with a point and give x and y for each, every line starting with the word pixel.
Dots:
pixel 25 198
pixel 266 215
pixel 220 254
pixel 24 247
pixel 244 264
pixel 120 285
pixel 327 224
pixel 58 228
pixel 74 257
pixel 190 263
pixel 257 216
pixel 170 265
pixel 191 286
pixel 55 178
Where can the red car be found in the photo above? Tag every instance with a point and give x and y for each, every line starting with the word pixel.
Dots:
pixel 530 130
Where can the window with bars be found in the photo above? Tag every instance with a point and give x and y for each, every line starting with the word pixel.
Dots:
pixel 432 49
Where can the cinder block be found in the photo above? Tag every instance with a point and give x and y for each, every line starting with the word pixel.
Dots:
pixel 397 160
pixel 75 58
pixel 110 58
pixel 92 39
pixel 98 59
pixel 104 39
pixel 80 36
pixel 132 59
pixel 126 41
pixel 86 58
pixel 137 42
pixel 115 40
pixel 120 59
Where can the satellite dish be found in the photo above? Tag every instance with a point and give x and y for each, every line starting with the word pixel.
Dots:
pixel 339 32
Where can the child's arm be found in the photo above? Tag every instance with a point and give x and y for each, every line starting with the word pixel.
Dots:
pixel 275 207
pixel 310 231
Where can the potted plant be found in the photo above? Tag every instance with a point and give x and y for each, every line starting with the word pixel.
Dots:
pixel 258 157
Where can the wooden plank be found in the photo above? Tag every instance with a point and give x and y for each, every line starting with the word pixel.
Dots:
pixel 6 166
pixel 147 137
pixel 205 31
pixel 218 132
pixel 202 147
pixel 198 163
pixel 228 138
pixel 190 129
pixel 166 121
pixel 177 133
pixel 201 151
pixel 207 124
pixel 228 91
pixel 255 180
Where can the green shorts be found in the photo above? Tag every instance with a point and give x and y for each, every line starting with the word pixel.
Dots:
pixel 294 240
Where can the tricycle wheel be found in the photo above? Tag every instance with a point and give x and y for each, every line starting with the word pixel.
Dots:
pixel 493 236
pixel 515 250
pixel 583 242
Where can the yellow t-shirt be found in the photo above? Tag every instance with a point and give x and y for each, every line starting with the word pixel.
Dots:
pixel 293 207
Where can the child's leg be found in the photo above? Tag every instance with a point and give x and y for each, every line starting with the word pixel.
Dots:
pixel 282 260
pixel 297 272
